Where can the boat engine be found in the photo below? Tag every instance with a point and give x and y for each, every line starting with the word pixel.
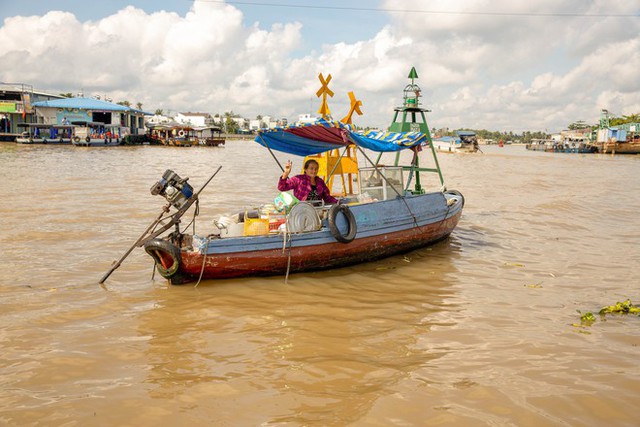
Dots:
pixel 176 190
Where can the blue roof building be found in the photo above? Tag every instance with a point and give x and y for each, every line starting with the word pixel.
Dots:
pixel 70 110
pixel 82 104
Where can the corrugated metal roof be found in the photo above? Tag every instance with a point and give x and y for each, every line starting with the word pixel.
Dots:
pixel 83 104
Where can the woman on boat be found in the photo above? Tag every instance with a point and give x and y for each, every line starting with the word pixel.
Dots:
pixel 307 186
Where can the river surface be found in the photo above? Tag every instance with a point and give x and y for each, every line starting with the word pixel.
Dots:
pixel 481 329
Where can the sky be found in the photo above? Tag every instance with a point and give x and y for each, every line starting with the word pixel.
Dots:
pixel 482 64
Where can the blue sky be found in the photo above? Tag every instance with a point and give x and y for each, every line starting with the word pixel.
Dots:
pixel 499 65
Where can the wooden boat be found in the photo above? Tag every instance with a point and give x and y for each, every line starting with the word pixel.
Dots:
pixel 379 229
pixel 97 134
pixel 391 214
pixel 624 139
pixel 174 134
pixel 38 133
pixel 567 146
pixel 465 142
pixel 629 146
pixel 210 136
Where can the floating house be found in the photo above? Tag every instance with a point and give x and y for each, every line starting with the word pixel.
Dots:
pixel 70 110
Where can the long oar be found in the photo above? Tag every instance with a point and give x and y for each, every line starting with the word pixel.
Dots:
pixel 174 219
pixel 119 262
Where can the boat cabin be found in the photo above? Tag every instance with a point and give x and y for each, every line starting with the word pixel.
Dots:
pixel 39 133
pixel 210 136
pixel 173 134
pixel 97 133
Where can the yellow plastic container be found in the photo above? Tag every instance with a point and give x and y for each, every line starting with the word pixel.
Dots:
pixel 256 226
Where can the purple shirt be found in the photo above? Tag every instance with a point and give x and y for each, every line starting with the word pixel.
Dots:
pixel 301 186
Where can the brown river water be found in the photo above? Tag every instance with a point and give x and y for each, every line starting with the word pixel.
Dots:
pixel 481 329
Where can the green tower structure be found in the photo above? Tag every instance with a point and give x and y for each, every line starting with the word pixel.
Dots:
pixel 604 119
pixel 410 117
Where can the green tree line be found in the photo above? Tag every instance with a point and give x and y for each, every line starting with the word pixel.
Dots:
pixel 525 137
pixel 615 121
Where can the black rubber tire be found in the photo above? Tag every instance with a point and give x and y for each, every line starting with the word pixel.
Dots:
pixel 153 246
pixel 351 220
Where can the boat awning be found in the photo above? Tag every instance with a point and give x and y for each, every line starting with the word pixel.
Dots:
pixel 323 135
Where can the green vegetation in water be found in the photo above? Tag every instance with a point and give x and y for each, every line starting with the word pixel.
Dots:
pixel 586 319
pixel 625 307
pixel 620 307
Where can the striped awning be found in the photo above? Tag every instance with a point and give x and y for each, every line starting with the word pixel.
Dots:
pixel 324 135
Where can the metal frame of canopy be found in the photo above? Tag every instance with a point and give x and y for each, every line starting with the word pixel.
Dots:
pixel 325 136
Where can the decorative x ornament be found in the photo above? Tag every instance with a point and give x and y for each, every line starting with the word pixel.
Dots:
pixel 355 107
pixel 324 91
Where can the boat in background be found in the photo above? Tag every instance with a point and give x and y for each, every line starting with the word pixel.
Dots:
pixel 97 134
pixel 621 139
pixel 39 133
pixel 174 134
pixel 210 136
pixel 466 141
pixel 629 146
pixel 566 146
pixel 391 213
pixel 540 145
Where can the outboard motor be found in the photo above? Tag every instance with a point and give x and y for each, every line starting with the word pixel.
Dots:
pixel 176 190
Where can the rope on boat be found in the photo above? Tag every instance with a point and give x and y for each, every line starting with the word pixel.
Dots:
pixel 287 238
pixel 446 214
pixel 286 276
pixel 449 208
pixel 204 260
pixel 415 220
pixel 196 212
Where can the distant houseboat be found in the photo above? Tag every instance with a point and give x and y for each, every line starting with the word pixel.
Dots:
pixel 38 133
pixel 466 141
pixel 96 134
pixel 210 136
pixel 566 146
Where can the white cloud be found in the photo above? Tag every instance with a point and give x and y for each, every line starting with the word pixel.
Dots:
pixel 495 71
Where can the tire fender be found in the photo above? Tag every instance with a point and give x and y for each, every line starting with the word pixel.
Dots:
pixel 156 248
pixel 351 221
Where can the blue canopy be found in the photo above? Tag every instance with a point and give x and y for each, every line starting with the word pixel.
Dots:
pixel 323 135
